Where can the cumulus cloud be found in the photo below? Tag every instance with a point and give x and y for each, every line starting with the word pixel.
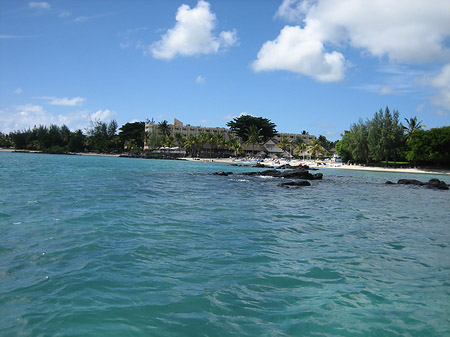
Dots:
pixel 29 115
pixel 39 5
pixel 300 51
pixel 442 83
pixel 101 115
pixel 193 34
pixel 293 10
pixel 75 101
pixel 410 31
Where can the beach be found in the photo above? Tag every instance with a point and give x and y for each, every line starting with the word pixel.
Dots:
pixel 330 165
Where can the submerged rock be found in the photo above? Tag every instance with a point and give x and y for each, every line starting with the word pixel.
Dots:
pixel 432 183
pixel 410 182
pixel 222 173
pixel 297 183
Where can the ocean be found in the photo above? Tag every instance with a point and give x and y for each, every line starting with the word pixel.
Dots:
pixel 101 246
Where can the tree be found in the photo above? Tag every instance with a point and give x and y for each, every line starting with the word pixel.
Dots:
pixel 191 144
pixel 412 126
pixel 112 129
pixel 76 142
pixel 358 141
pixel 253 136
pixel 385 136
pixel 5 140
pixel 430 147
pixel 179 139
pixel 241 126
pixel 300 148
pixel 316 148
pixel 284 144
pixel 236 146
pixel 133 131
pixel 325 142
pixel 164 128
pixel 343 147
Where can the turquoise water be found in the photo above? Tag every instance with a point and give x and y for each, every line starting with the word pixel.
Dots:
pixel 97 246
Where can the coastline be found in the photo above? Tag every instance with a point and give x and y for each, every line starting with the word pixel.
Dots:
pixel 271 163
pixel 332 166
pixel 384 169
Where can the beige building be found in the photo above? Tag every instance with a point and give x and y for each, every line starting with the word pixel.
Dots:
pixel 185 130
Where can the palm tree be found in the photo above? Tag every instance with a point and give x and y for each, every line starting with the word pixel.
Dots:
pixel 284 143
pixel 236 146
pixel 300 148
pixel 315 148
pixel 202 139
pixel 179 139
pixel 253 136
pixel 218 140
pixel 191 144
pixel 164 128
pixel 412 126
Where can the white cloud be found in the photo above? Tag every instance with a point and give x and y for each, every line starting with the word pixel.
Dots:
pixel 39 5
pixel 200 79
pixel 301 51
pixel 64 101
pixel 293 10
pixel 101 115
pixel 442 83
pixel 411 31
pixel 28 115
pixel 192 34
pixel 18 91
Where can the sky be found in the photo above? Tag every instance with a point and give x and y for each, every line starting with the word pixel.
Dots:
pixel 314 65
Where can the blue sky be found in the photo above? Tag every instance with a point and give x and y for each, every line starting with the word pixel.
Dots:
pixel 306 65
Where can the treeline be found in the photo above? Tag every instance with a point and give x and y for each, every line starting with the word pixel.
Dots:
pixel 98 137
pixel 385 139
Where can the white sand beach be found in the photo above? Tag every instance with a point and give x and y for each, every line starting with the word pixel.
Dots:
pixel 331 165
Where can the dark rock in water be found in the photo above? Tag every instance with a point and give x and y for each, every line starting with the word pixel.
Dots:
pixel 389 182
pixel 436 183
pixel 295 183
pixel 410 182
pixel 298 173
pixel 221 173
pixel 270 173
pixel 432 183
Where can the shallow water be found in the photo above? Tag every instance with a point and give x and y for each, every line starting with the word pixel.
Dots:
pixel 97 246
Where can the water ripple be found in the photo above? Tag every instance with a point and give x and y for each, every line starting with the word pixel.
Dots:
pixel 111 246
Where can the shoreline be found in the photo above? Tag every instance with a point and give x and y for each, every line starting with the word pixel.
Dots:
pixel 341 166
pixel 271 163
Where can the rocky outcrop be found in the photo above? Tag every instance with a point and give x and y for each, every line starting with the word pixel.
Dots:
pixel 432 183
pixel 297 183
pixel 298 173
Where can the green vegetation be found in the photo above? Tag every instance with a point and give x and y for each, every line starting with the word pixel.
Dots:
pixel 104 137
pixel 385 139
pixel 241 126
pixel 98 137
